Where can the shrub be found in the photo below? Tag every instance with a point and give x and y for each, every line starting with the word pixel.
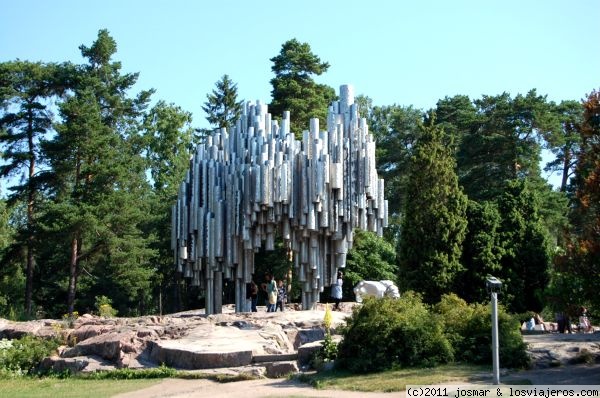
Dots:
pixel 22 356
pixel 468 328
pixel 104 307
pixel 69 319
pixel 383 333
pixel 329 348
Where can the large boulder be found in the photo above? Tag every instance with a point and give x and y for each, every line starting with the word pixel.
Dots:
pixel 281 369
pixel 41 328
pixel 111 346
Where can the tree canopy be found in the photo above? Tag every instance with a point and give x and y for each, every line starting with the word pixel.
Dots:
pixel 92 168
pixel 295 90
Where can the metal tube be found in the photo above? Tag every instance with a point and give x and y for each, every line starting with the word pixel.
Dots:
pixel 495 345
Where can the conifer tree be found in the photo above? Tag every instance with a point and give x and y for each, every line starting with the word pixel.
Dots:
pixel 222 106
pixel 525 260
pixel 25 117
pixel 97 183
pixel 585 215
pixel 434 223
pixel 295 90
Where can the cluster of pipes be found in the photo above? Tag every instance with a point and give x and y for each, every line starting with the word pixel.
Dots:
pixel 247 186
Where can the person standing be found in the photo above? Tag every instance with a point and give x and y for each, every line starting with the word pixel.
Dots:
pixel 336 290
pixel 252 294
pixel 281 295
pixel 271 289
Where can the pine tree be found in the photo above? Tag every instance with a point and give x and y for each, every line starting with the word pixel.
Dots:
pixel 97 184
pixel 27 89
pixel 222 107
pixel 295 90
pixel 434 223
pixel 585 215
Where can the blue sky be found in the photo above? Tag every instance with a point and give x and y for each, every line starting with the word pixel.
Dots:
pixel 403 52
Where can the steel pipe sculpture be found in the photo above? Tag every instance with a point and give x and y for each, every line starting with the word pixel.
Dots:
pixel 246 186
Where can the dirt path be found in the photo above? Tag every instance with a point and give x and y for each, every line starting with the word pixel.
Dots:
pixel 243 389
pixel 178 388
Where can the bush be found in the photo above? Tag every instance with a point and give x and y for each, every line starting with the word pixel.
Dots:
pixel 104 307
pixel 384 333
pixel 468 328
pixel 22 356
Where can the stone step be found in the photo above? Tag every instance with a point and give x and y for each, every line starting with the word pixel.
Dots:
pixel 274 357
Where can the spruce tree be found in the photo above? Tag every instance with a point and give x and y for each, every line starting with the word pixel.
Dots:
pixel 222 107
pixel 434 223
pixel 482 251
pixel 524 240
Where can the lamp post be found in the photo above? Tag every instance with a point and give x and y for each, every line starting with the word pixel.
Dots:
pixel 494 285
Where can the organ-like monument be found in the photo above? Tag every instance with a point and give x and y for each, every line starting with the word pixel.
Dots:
pixel 247 186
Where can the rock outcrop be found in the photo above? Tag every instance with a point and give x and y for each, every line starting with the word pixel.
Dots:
pixel 259 343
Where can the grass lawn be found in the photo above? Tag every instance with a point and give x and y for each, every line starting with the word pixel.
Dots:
pixel 25 387
pixel 395 380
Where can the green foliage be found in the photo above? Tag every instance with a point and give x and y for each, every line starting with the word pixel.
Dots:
pixel 396 129
pixel 329 348
pixel 585 234
pixel 96 185
pixel 564 140
pixel 22 356
pixel 371 258
pixel 526 257
pixel 468 328
pixel 222 107
pixel 295 90
pixel 498 139
pixel 384 333
pixel 25 118
pixel 326 354
pixel 482 251
pixel 104 307
pixel 130 374
pixel 70 318
pixel 434 223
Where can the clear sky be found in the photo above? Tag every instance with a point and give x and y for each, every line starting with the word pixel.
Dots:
pixel 403 52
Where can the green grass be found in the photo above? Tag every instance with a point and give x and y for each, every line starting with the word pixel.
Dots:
pixel 26 387
pixel 100 384
pixel 394 380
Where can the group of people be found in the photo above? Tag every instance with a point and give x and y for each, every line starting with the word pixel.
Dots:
pixel 277 293
pixel 275 290
pixel 563 322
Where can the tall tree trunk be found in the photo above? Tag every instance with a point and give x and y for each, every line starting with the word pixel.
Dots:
pixel 565 171
pixel 73 273
pixel 30 220
pixel 75 250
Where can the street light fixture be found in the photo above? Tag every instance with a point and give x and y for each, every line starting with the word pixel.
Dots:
pixel 494 285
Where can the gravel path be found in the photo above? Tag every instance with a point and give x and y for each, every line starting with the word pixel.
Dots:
pixel 178 388
pixel 243 389
pixel 562 375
